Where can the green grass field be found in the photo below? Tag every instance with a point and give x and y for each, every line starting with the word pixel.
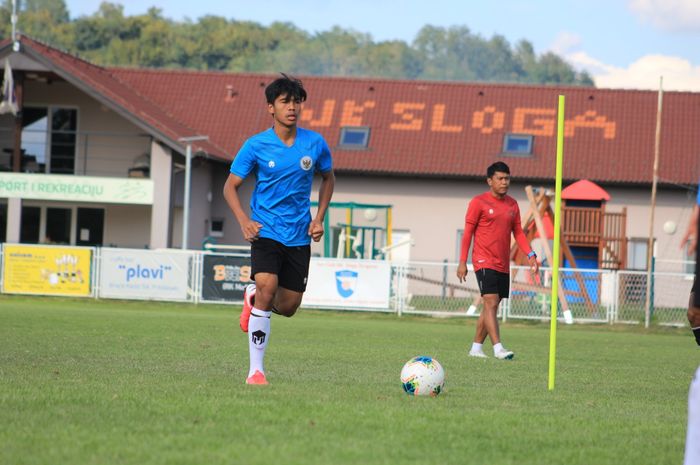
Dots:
pixel 107 382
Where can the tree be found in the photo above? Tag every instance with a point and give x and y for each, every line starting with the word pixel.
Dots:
pixel 108 37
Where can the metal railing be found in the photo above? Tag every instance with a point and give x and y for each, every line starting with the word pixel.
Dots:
pixel 81 153
pixel 414 288
pixel 592 295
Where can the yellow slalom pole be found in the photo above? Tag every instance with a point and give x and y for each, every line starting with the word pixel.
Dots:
pixel 557 239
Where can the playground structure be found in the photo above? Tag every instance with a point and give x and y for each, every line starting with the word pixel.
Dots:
pixel 591 238
pixel 358 230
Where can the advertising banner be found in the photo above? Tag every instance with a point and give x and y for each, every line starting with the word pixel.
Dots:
pixel 76 188
pixel 46 270
pixel 144 274
pixel 224 277
pixel 337 283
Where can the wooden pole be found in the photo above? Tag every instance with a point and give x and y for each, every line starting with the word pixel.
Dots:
pixel 655 178
pixel 17 143
pixel 539 224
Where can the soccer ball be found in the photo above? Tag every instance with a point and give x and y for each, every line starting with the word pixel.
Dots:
pixel 423 376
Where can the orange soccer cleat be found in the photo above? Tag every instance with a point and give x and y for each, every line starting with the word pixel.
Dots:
pixel 257 378
pixel 248 296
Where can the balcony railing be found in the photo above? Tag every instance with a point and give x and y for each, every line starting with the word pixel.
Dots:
pixel 595 227
pixel 89 153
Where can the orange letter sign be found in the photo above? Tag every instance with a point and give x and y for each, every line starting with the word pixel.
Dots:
pixel 409 121
pixel 479 120
pixel 322 121
pixel 438 121
pixel 352 113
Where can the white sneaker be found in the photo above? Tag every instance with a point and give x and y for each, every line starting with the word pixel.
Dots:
pixel 477 354
pixel 504 355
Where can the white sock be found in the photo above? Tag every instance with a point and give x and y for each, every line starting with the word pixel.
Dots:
pixel 258 337
pixel 498 347
pixel 476 347
pixel 692 442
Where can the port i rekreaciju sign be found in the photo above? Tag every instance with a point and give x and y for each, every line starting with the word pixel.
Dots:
pixel 76 188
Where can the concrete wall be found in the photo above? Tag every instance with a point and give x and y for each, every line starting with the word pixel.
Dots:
pixel 127 226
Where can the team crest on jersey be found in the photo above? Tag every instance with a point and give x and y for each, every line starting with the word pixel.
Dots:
pixel 306 162
pixel 490 211
pixel 271 164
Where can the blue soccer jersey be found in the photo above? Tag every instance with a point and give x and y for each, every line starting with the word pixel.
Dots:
pixel 281 201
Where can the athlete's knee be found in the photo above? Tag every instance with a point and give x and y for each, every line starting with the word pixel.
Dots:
pixel 263 297
pixel 285 311
pixel 693 313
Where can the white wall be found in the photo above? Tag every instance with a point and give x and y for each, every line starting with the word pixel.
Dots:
pixel 127 225
pixel 433 209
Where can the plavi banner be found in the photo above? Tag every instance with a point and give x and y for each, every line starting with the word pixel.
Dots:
pixel 337 283
pixel 224 277
pixel 76 188
pixel 46 270
pixel 144 274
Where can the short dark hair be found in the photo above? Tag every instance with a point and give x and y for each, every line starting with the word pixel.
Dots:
pixel 286 85
pixel 498 166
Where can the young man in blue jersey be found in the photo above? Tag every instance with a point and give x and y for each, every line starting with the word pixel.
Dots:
pixel 284 159
pixel 690 239
pixel 692 441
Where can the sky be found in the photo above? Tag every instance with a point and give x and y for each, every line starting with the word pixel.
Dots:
pixel 621 43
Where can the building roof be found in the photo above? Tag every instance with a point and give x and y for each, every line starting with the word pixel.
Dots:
pixel 102 84
pixel 417 128
pixel 584 190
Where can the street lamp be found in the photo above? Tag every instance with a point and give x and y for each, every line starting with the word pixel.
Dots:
pixel 188 170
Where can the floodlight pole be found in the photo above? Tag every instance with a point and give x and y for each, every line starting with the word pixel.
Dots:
pixel 13 20
pixel 188 176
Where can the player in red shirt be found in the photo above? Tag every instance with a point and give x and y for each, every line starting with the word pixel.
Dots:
pixel 491 218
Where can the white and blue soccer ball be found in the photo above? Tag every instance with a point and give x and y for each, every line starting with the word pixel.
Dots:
pixel 423 376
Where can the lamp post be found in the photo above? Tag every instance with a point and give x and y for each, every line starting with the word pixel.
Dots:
pixel 188 175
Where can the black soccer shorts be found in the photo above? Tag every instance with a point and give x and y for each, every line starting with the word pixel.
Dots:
pixel 493 282
pixel 290 264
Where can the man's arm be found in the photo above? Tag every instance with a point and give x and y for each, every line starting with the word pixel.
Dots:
pixel 524 245
pixel 249 228
pixel 464 251
pixel 471 219
pixel 325 193
pixel 691 234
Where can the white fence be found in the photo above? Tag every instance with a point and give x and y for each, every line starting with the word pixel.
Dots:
pixel 593 296
pixel 427 288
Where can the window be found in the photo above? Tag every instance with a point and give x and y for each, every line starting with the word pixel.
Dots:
pixel 637 254
pixel 64 123
pixel 3 222
pixel 517 144
pixel 58 225
pixel 30 225
pixel 217 227
pixel 35 136
pixel 356 137
pixel 49 140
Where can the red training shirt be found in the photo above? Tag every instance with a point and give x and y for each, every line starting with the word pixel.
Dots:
pixel 491 221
